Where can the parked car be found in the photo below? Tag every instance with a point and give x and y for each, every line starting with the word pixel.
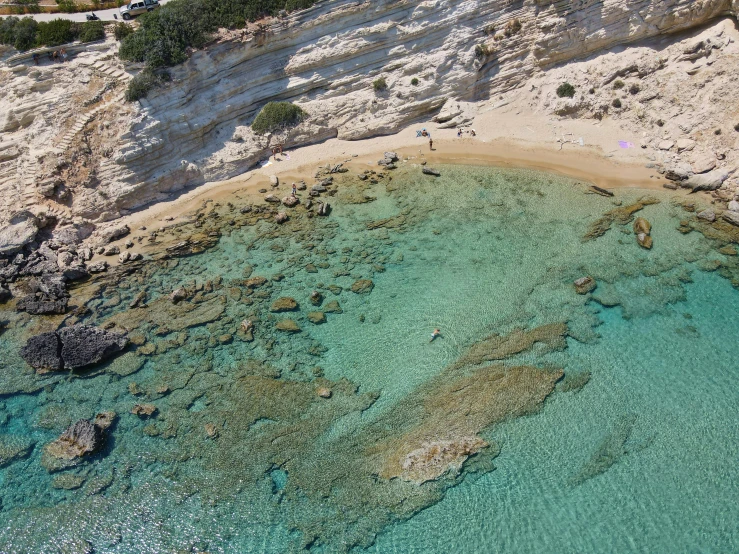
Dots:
pixel 137 7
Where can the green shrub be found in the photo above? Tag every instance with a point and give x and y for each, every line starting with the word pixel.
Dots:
pixel 142 83
pixel 511 28
pixel 659 123
pixel 618 84
pixel 165 34
pixel 56 32
pixel 67 6
pixel 26 6
pixel 565 89
pixel 736 127
pixel 379 84
pixel 292 5
pixel 592 90
pixel 91 31
pixel 634 88
pixel 18 33
pixel 616 103
pixel 481 51
pixel 122 30
pixel 277 115
pixel 717 132
pixel 414 81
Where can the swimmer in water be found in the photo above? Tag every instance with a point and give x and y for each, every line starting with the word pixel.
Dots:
pixel 435 334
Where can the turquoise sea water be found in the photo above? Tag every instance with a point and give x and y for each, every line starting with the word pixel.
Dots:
pixel 642 458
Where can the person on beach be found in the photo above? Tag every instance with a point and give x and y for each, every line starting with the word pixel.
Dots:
pixel 63 54
pixel 459 133
pixel 295 190
pixel 431 143
pixel 435 334
pixel 472 132
pixel 35 58
pixel 424 133
pixel 274 152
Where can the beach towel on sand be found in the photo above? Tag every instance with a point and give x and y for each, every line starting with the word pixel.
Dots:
pixel 624 144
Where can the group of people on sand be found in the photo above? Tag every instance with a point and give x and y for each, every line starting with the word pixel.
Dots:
pixel 55 56
pixel 460 132
pixel 425 133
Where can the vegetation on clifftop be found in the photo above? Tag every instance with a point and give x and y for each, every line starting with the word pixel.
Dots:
pixel 24 34
pixel 164 35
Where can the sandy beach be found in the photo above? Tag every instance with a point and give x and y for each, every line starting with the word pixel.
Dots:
pixel 504 138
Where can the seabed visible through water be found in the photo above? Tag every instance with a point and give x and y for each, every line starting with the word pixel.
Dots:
pixel 603 422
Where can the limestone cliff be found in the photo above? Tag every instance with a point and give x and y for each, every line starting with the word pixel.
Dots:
pixel 324 59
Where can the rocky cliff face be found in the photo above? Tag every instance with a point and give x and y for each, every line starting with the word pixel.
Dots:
pixel 325 59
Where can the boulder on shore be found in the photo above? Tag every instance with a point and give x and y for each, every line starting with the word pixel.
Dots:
pixel 22 230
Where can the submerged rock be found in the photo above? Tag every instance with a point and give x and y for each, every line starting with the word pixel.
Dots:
pixel 144 410
pixel 14 447
pixel 707 215
pixel 642 228
pixel 316 298
pixel 78 441
pixel 430 171
pixel 584 285
pixel 178 295
pixel 284 304
pixel 281 217
pixel 287 326
pixel 316 317
pixel 435 458
pixel 363 286
pixel 324 392
pixel 333 307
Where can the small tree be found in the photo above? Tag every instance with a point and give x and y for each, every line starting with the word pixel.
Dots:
pixel 634 88
pixel 618 84
pixel 277 115
pixel 414 81
pixel 616 103
pixel 565 89
pixel 380 84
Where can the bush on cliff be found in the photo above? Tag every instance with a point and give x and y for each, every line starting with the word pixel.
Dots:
pixel 277 115
pixel 565 89
pixel 142 83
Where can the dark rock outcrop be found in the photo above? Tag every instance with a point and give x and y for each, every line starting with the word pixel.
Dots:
pixel 76 347
pixel 44 352
pixel 84 345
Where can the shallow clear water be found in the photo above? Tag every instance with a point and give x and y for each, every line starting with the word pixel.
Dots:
pixel 642 458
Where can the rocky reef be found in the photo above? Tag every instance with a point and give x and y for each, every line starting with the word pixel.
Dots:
pixel 438 60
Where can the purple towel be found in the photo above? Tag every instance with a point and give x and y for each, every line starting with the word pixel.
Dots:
pixel 624 144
